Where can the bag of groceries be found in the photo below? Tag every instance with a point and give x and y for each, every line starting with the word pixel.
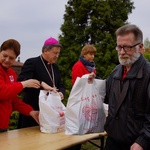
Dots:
pixel 52 112
pixel 85 110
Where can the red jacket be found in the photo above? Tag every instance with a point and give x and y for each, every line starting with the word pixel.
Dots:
pixel 9 101
pixel 78 70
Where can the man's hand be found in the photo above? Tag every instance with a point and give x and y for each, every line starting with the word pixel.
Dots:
pixel 61 95
pixel 48 88
pixel 136 146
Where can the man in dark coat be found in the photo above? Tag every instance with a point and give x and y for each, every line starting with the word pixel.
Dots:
pixel 44 69
pixel 128 94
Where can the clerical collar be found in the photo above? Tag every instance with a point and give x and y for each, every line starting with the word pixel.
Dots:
pixel 45 62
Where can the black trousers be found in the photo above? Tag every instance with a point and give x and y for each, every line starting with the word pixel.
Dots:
pixel 113 145
pixel 26 121
pixel 76 147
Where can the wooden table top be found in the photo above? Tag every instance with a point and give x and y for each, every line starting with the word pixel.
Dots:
pixel 33 139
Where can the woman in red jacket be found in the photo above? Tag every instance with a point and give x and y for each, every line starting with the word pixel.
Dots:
pixel 9 88
pixel 85 64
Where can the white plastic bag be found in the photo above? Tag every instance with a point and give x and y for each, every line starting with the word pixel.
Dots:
pixel 85 111
pixel 52 112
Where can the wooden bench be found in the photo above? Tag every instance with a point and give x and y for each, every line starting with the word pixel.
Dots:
pixel 100 141
pixel 32 138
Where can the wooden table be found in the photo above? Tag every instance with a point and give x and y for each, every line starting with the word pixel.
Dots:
pixel 32 139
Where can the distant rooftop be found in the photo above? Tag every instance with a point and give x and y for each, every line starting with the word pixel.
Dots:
pixel 17 63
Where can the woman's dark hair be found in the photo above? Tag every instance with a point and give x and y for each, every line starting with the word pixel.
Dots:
pixel 11 44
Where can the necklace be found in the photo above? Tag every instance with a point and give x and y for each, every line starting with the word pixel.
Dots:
pixel 51 77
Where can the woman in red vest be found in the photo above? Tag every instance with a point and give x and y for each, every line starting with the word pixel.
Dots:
pixel 85 64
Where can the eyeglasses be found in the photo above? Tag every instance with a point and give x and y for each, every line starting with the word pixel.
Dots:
pixel 125 48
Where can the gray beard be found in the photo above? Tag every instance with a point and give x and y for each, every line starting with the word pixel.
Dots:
pixel 130 61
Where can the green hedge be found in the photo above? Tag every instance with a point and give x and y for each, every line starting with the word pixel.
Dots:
pixel 13 120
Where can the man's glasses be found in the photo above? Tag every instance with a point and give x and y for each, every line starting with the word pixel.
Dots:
pixel 125 48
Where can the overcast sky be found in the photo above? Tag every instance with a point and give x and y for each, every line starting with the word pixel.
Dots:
pixel 31 22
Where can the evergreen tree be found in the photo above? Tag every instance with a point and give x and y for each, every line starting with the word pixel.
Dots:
pixel 92 22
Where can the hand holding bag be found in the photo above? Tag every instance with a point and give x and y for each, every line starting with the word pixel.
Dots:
pixel 52 112
pixel 85 111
